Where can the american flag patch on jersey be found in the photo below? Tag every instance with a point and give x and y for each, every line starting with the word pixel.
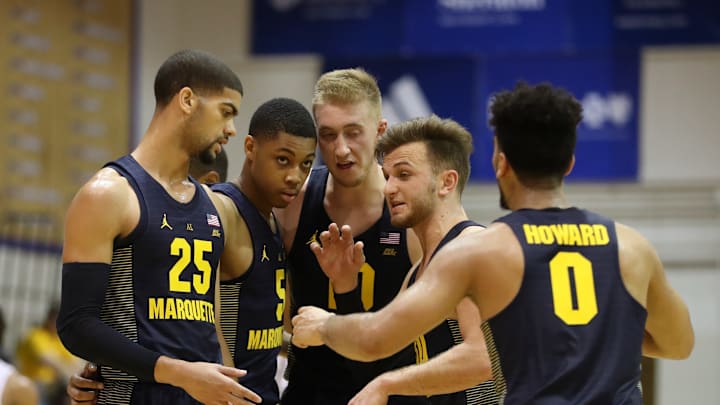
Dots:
pixel 213 220
pixel 389 238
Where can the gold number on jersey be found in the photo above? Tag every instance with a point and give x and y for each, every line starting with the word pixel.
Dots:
pixel 367 288
pixel 280 291
pixel 200 282
pixel 562 290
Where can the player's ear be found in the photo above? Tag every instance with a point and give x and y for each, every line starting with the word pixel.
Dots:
pixel 186 99
pixel 250 147
pixel 449 180
pixel 211 177
pixel 382 127
pixel 570 166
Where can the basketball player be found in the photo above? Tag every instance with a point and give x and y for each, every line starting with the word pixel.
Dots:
pixel 142 242
pixel 427 164
pixel 280 150
pixel 572 299
pixel 81 387
pixel 279 155
pixel 349 190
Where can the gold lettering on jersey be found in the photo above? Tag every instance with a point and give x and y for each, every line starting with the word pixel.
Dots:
pixel 180 309
pixel 216 233
pixel 265 257
pixel 260 339
pixel 165 223
pixel 189 227
pixel 567 234
pixel 389 252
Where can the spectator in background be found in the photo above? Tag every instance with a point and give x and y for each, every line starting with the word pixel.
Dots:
pixel 43 358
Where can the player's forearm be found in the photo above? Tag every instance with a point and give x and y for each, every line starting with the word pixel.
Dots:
pixel 359 337
pixel 85 334
pixel 459 368
pixel 346 335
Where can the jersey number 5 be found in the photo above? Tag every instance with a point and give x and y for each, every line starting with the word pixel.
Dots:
pixel 573 288
pixel 187 253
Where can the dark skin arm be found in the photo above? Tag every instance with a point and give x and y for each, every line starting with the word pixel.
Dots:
pixel 82 388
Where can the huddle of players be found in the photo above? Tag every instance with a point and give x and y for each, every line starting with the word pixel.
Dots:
pixel 279 205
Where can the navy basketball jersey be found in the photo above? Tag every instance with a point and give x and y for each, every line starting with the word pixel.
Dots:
pixel 573 333
pixel 252 308
pixel 318 375
pixel 445 336
pixel 161 288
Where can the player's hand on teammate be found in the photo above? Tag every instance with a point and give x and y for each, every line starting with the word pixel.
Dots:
pixel 339 256
pixel 82 388
pixel 209 383
pixel 307 326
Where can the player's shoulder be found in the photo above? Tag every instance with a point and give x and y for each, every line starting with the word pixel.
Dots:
pixel 106 188
pixel 497 242
pixel 635 252
pixel 631 241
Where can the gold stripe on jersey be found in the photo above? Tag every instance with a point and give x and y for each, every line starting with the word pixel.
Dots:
pixel 421 353
pixel 118 311
pixel 498 376
pixel 229 312
pixel 566 234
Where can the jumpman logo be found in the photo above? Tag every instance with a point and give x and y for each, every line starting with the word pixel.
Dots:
pixel 165 223
pixel 313 238
pixel 264 255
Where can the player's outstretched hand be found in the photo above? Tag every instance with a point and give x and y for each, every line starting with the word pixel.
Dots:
pixel 339 256
pixel 307 326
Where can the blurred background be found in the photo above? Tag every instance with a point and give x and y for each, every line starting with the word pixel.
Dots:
pixel 76 81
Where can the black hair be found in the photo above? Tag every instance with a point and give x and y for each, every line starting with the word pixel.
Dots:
pixel 282 115
pixel 536 128
pixel 200 71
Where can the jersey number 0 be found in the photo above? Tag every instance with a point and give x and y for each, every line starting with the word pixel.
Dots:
pixel 571 277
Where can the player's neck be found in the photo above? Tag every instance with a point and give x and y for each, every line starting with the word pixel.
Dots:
pixel 537 198
pixel 170 170
pixel 369 193
pixel 248 188
pixel 432 230
pixel 161 155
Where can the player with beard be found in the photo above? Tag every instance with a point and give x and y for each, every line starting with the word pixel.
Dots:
pixel 427 163
pixel 142 243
